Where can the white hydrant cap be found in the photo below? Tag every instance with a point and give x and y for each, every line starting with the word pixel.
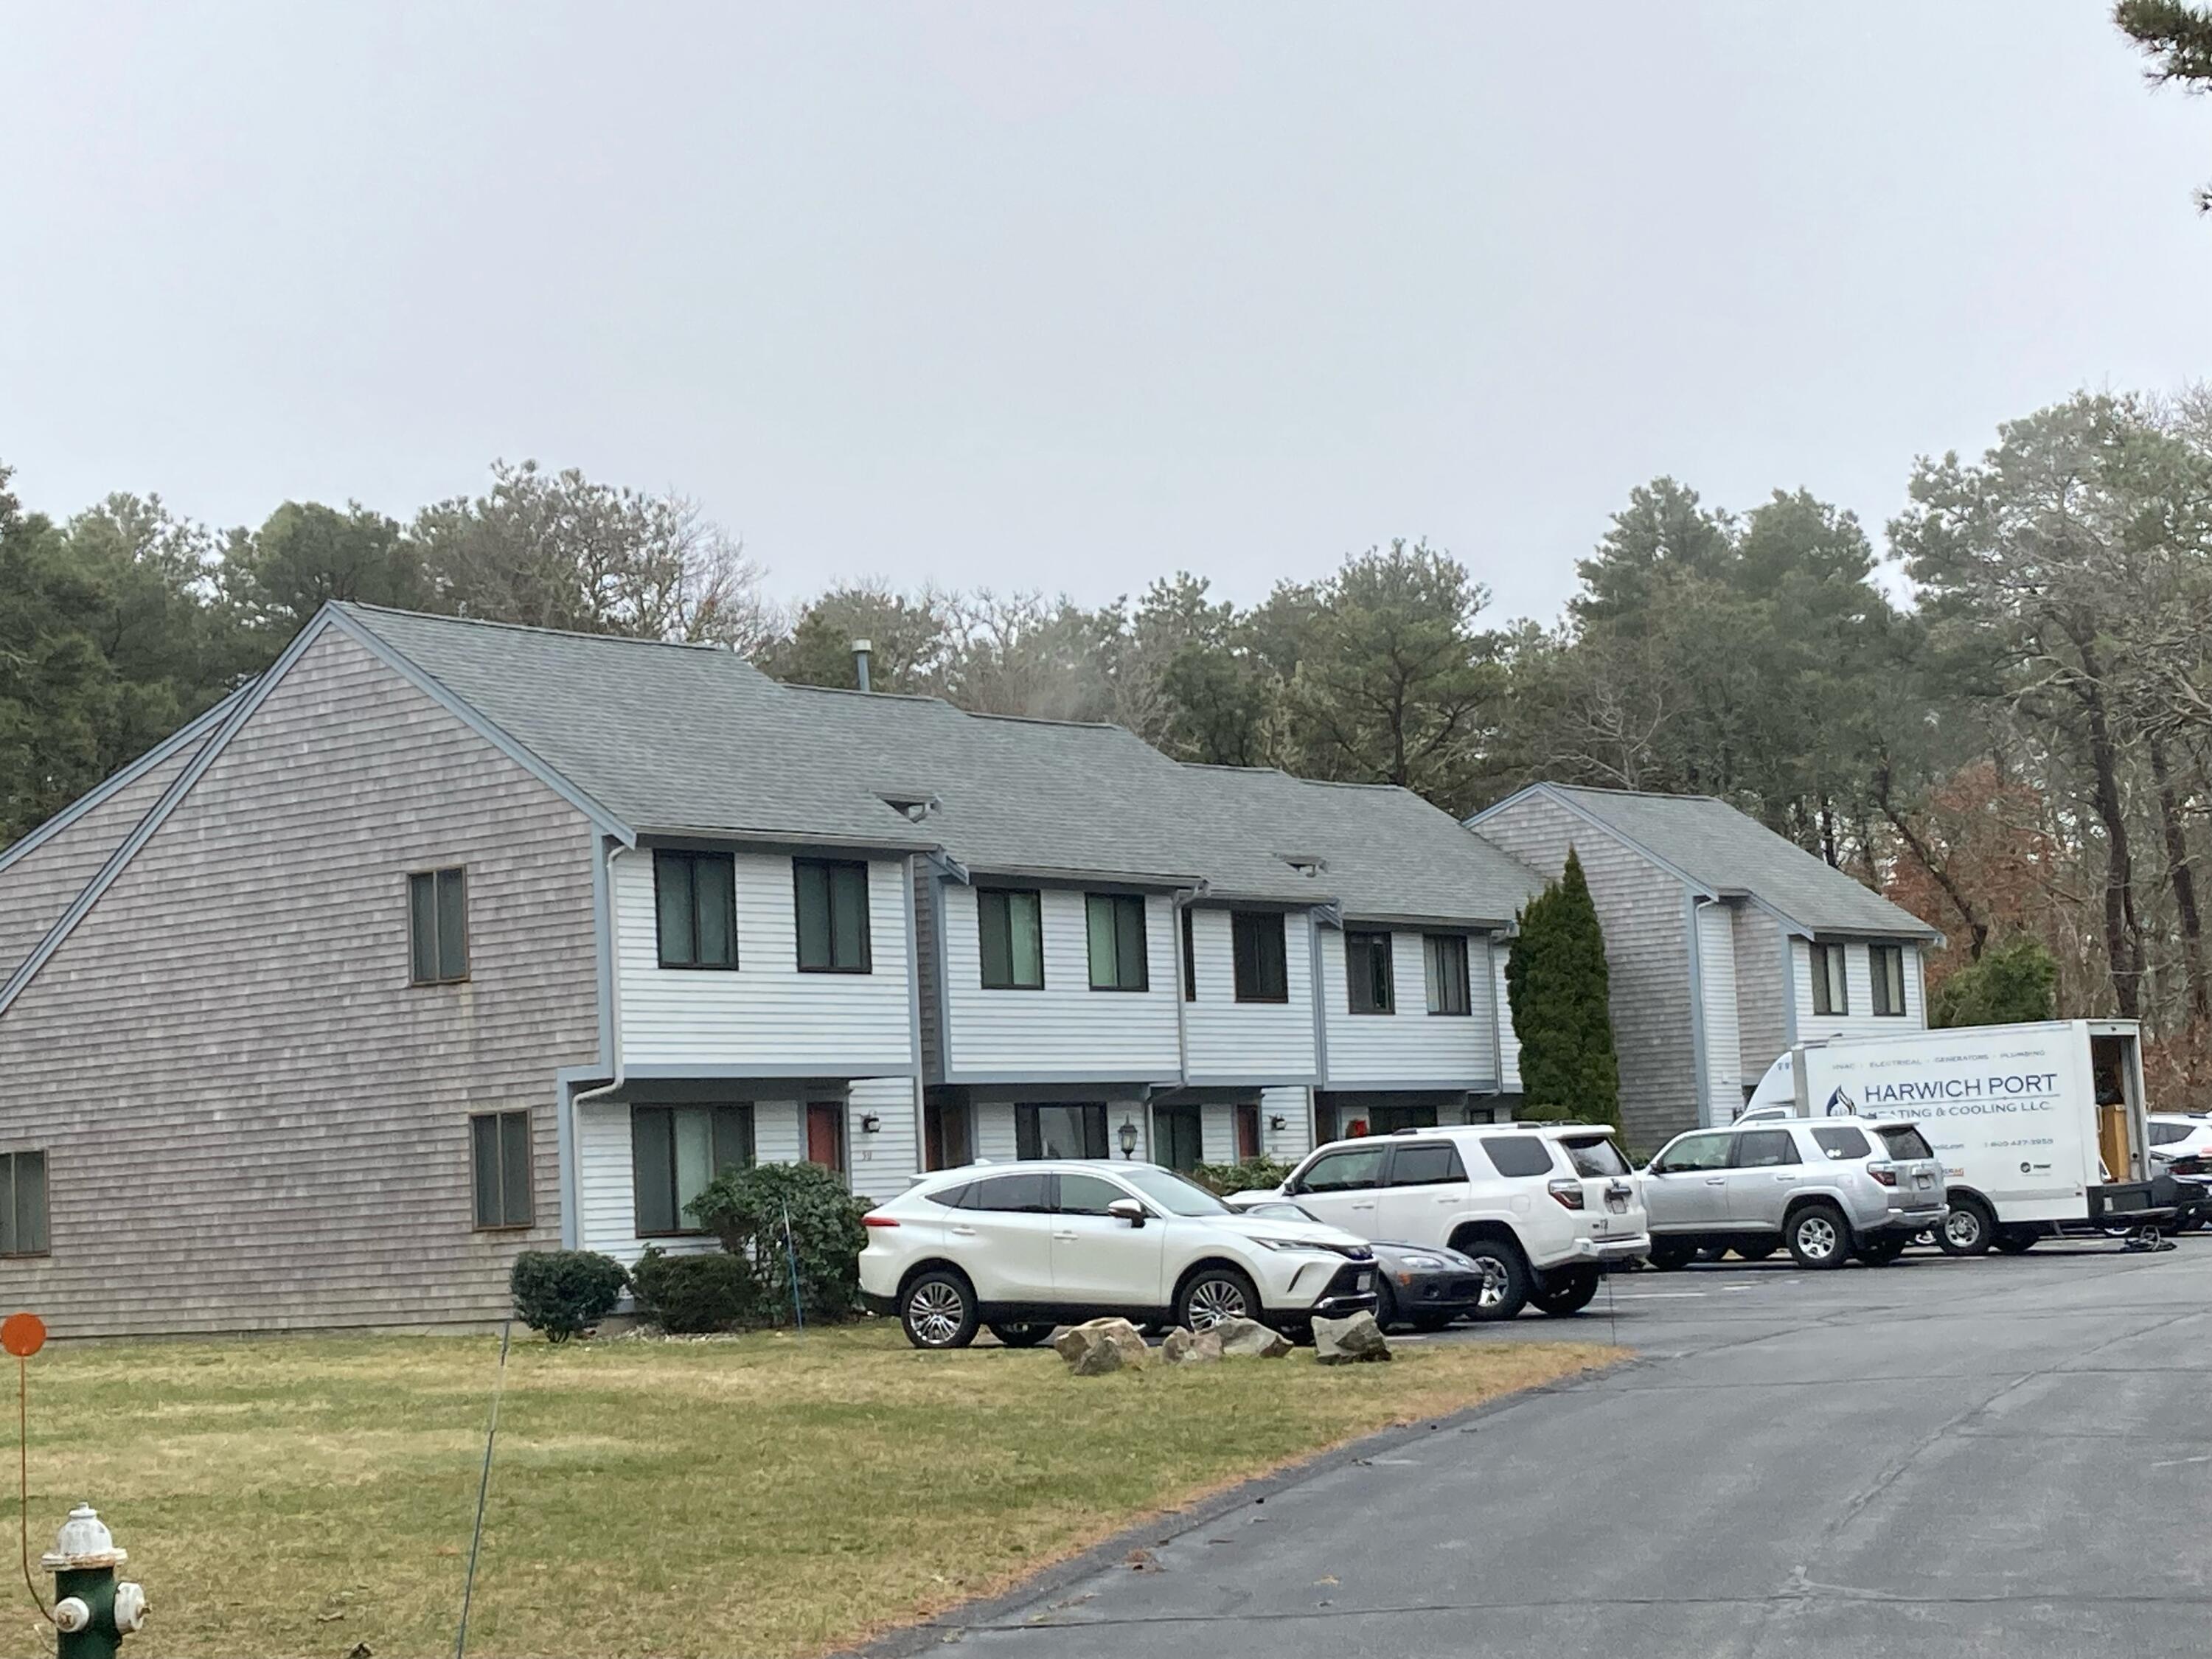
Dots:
pixel 83 1541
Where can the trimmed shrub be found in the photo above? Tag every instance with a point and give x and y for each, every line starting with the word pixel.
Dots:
pixel 688 1294
pixel 2013 981
pixel 747 1209
pixel 562 1292
pixel 1253 1172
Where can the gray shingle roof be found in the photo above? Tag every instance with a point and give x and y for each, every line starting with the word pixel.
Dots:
pixel 1719 848
pixel 671 739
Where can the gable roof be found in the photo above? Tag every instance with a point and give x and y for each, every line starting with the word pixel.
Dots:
pixel 1728 854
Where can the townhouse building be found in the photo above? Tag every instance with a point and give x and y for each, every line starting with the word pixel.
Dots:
pixel 1725 943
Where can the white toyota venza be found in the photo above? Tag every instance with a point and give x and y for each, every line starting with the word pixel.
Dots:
pixel 1024 1247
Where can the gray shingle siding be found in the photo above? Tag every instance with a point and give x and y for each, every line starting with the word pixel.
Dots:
pixel 1762 992
pixel 252 1122
pixel 922 875
pixel 1647 957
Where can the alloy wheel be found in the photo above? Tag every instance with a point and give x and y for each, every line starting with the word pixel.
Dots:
pixel 1963 1228
pixel 936 1313
pixel 1497 1282
pixel 1816 1237
pixel 1212 1301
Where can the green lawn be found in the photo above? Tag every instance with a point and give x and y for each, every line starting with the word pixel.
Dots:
pixel 754 1497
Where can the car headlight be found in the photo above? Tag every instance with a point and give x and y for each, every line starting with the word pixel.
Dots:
pixel 1426 1263
pixel 1305 1244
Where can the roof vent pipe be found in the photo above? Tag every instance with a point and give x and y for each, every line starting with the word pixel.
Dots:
pixel 861 650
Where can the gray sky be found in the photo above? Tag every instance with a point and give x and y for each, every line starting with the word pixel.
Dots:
pixel 1067 296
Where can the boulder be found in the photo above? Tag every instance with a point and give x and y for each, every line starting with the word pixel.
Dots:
pixel 1182 1348
pixel 1100 1345
pixel 1247 1338
pixel 1352 1341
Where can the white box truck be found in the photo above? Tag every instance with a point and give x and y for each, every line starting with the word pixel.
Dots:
pixel 2041 1128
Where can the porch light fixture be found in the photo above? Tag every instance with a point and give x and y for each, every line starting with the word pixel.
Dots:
pixel 1278 1123
pixel 870 1123
pixel 1128 1138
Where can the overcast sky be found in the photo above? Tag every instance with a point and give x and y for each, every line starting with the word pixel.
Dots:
pixel 1060 296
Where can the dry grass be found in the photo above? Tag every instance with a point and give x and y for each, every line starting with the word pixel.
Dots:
pixel 754 1497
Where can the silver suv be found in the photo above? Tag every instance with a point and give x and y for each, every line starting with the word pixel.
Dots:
pixel 1826 1188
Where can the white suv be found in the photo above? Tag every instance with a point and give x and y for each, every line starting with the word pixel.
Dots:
pixel 1541 1209
pixel 1023 1248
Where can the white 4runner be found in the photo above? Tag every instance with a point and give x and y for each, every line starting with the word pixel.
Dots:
pixel 1541 1209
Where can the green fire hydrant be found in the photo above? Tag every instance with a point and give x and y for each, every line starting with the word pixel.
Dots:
pixel 93 1610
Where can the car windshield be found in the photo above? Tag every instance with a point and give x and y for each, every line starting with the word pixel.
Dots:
pixel 1595 1155
pixel 1905 1141
pixel 1278 1209
pixel 1172 1193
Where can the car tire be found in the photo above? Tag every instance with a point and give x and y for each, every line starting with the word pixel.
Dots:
pixel 1968 1229
pixel 1760 1250
pixel 1668 1254
pixel 937 1309
pixel 1882 1251
pixel 2015 1240
pixel 1430 1323
pixel 1711 1252
pixel 1386 1300
pixel 1505 1278
pixel 1567 1290
pixel 1818 1236
pixel 1213 1294
pixel 1022 1336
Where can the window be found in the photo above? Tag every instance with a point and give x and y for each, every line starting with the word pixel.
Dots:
pixel 1172 1193
pixel 1905 1141
pixel 1060 1131
pixel 1262 974
pixel 1696 1152
pixel 833 916
pixel 2164 1132
pixel 22 1203
pixel 1178 1142
pixel 1117 941
pixel 1829 994
pixel 1011 923
pixel 438 925
pixel 1083 1195
pixel 1446 957
pixel 1367 972
pixel 1245 1121
pixel 675 1150
pixel 1518 1155
pixel 1030 1194
pixel 1344 1172
pixel 695 898
pixel 1838 1142
pixel 1427 1166
pixel 499 1147
pixel 1388 1120
pixel 1765 1149
pixel 1595 1157
pixel 1888 963
pixel 1189 958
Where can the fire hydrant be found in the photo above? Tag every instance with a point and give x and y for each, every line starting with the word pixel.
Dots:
pixel 93 1610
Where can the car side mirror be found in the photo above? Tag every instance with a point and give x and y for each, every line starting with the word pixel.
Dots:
pixel 1128 1209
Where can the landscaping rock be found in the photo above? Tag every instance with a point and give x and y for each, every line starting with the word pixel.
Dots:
pixel 1182 1348
pixel 1100 1345
pixel 1352 1341
pixel 1247 1338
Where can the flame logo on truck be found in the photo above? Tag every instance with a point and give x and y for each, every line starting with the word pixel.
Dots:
pixel 1840 1104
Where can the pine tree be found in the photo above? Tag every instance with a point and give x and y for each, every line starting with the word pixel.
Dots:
pixel 1555 975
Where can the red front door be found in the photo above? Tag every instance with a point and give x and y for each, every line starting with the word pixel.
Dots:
pixel 825 1136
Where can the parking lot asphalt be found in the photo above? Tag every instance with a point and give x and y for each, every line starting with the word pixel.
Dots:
pixel 1997 1456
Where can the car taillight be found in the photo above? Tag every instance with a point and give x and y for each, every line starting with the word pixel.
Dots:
pixel 1568 1193
pixel 1884 1175
pixel 874 1220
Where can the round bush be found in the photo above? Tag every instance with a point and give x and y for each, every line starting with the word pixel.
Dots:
pixel 747 1210
pixel 562 1292
pixel 690 1294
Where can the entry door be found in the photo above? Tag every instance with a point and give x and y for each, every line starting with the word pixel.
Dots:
pixel 1687 1188
pixel 1246 1121
pixel 825 1135
pixel 1098 1260
pixel 1342 1189
pixel 1182 1147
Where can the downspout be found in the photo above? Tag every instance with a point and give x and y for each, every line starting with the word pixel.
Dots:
pixel 1183 898
pixel 614 1023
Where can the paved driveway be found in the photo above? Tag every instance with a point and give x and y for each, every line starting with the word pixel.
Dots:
pixel 2007 1457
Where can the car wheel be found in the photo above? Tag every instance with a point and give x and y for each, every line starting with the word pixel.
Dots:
pixel 2015 1240
pixel 1760 1250
pixel 1818 1236
pixel 938 1311
pixel 1667 1255
pixel 1022 1336
pixel 1214 1294
pixel 1430 1323
pixel 1505 1276
pixel 1711 1252
pixel 1968 1229
pixel 1880 1252
pixel 1386 1300
pixel 1568 1291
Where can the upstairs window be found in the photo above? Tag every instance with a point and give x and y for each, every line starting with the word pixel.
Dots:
pixel 1888 963
pixel 1010 923
pixel 696 897
pixel 438 927
pixel 1116 923
pixel 833 915
pixel 499 1154
pixel 1367 971
pixel 1262 972
pixel 1830 994
pixel 1446 962
pixel 22 1203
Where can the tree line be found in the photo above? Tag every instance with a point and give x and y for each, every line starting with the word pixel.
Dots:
pixel 2006 724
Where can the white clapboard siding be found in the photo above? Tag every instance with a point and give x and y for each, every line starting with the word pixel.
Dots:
pixel 1501 999
pixel 1861 1020
pixel 606 1177
pixel 883 1163
pixel 1232 1041
pixel 766 1014
pixel 1410 1045
pixel 1724 1042
pixel 1294 1105
pixel 1067 1029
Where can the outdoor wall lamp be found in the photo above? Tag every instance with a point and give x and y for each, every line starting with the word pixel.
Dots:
pixel 1129 1136
pixel 1278 1123
pixel 870 1123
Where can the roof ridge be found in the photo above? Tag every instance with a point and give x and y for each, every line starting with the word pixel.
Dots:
pixel 357 606
pixel 1044 720
pixel 1640 794
pixel 856 691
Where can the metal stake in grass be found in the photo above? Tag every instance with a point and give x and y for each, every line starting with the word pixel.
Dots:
pixel 484 1489
pixel 791 1255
